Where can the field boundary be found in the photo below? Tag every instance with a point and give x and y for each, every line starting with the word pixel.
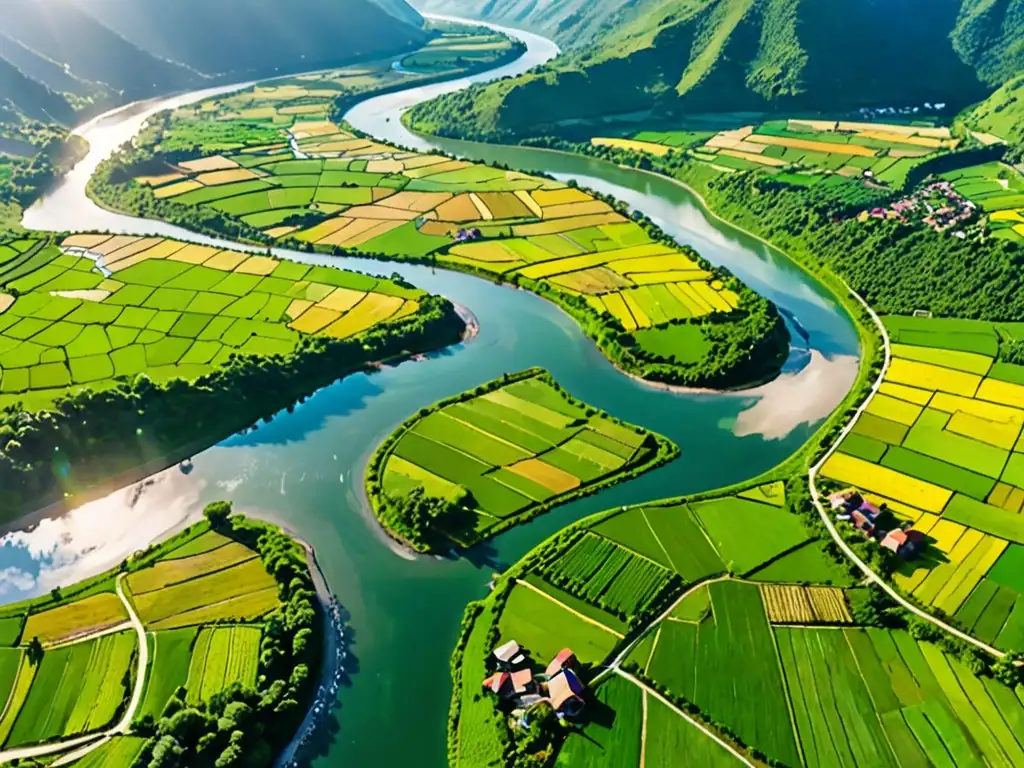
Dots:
pixel 703 729
pixel 812 475
pixel 573 611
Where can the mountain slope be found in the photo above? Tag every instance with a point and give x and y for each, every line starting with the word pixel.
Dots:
pixel 257 36
pixel 990 36
pixel 572 23
pixel 32 99
pixel 1002 114
pixel 402 11
pixel 60 31
pixel 676 56
pixel 42 69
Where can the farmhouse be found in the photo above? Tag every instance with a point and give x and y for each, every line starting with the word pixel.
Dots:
pixel 565 690
pixel 509 655
pixel 906 544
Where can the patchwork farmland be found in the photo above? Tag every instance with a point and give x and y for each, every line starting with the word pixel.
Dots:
pixel 93 310
pixel 204 598
pixel 883 151
pixel 513 447
pixel 939 446
pixel 831 689
pixel 301 179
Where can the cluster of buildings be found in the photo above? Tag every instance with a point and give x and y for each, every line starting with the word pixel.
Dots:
pixel 515 681
pixel 938 205
pixel 850 506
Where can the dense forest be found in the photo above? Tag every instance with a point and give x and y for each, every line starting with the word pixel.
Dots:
pixel 684 56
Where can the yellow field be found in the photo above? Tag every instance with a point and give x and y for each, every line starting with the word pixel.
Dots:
pixel 616 305
pixel 666 262
pixel 815 146
pixel 590 208
pixel 1002 392
pixel 435 484
pixel 894 410
pixel 194 254
pixel 314 319
pixel 586 260
pixel 927 376
pixel 214 178
pixel 641 318
pixel 156 181
pixel 374 308
pixel 379 213
pixel 596 280
pixel 226 260
pixel 903 392
pixel 257 265
pixel 203 164
pixel 172 190
pixel 653 278
pixel 1009 215
pixel 548 197
pixel 895 485
pixel 636 146
pixel 489 251
pixel 17 697
pixel 81 617
pixel 971 362
pixel 901 130
pixel 566 225
pixel 787 604
pixel 542 473
pixel 420 202
pixel 341 300
pixel 361 231
pixel 459 209
pixel 902 138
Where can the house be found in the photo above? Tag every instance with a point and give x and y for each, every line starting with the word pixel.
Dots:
pixel 565 659
pixel 565 692
pixel 509 655
pixel 844 499
pixel 522 681
pixel 906 544
pixel 499 683
pixel 862 522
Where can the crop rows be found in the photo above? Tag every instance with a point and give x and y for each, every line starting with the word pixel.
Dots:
pixel 787 604
pixel 609 576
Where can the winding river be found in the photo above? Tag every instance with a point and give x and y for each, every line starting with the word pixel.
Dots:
pixel 304 469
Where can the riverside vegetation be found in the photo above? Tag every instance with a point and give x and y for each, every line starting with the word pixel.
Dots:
pixel 234 631
pixel 472 466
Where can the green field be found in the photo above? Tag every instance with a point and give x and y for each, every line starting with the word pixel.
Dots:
pixel 947 425
pixel 166 309
pixel 500 453
pixel 998 190
pixel 85 685
pixel 615 739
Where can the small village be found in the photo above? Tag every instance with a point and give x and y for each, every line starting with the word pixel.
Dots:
pixel 516 683
pixel 937 206
pixel 850 506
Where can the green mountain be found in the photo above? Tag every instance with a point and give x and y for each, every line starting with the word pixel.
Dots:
pixel 572 23
pixel 60 31
pixel 1002 115
pixel 45 70
pixel 688 56
pixel 24 96
pixel 256 37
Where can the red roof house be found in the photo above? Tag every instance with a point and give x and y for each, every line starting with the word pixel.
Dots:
pixel 499 683
pixel 565 690
pixel 522 681
pixel 565 658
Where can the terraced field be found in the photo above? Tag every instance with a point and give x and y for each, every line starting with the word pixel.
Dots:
pixel 940 447
pixel 886 152
pixel 511 448
pixel 92 310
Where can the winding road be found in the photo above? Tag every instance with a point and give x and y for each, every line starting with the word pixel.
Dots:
pixel 82 745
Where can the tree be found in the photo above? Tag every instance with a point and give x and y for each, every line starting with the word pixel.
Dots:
pixel 35 651
pixel 217 514
pixel 1006 671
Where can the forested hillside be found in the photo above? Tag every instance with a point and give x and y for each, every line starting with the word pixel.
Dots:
pixel 30 98
pixel 263 36
pixel 676 56
pixel 1002 115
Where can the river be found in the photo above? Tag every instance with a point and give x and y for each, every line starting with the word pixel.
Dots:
pixel 304 469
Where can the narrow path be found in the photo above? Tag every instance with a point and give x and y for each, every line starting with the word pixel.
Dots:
pixel 699 726
pixel 94 740
pixel 827 519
